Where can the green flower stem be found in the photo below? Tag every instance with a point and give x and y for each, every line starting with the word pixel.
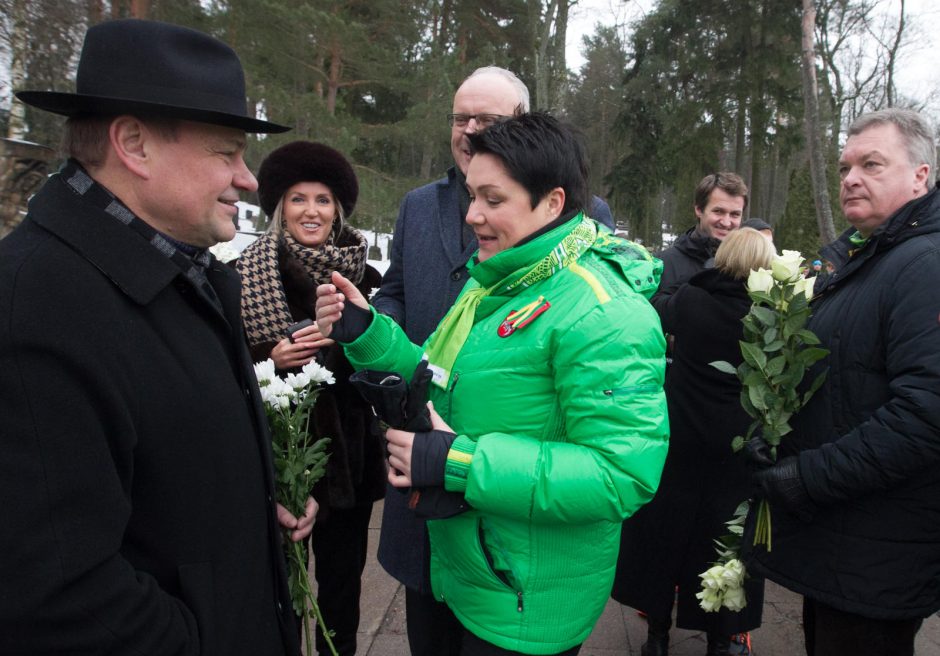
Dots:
pixel 310 600
pixel 762 530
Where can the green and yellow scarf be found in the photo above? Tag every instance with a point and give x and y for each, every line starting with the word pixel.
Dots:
pixel 478 301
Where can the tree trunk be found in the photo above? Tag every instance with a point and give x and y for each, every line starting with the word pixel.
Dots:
pixel 890 89
pixel 140 8
pixel 740 135
pixel 542 67
pixel 336 71
pixel 559 60
pixel 16 128
pixel 817 160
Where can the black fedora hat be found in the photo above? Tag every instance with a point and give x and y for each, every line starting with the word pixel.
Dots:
pixel 153 68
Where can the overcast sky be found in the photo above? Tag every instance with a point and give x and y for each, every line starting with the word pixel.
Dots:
pixel 918 73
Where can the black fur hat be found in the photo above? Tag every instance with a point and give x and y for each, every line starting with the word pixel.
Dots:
pixel 306 161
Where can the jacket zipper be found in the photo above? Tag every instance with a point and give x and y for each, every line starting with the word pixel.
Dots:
pixel 498 574
pixel 450 394
pixel 620 391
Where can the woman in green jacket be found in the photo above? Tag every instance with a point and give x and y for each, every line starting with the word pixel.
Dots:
pixel 549 420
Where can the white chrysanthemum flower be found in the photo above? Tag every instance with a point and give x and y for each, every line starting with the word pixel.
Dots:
pixel 298 381
pixel 264 371
pixel 318 374
pixel 268 397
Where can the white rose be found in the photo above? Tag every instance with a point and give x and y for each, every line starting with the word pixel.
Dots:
pixel 786 267
pixel 733 574
pixel 805 286
pixel 710 600
pixel 712 577
pixel 760 281
pixel 733 599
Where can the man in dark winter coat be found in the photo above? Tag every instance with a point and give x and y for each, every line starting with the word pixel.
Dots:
pixel 138 513
pixel 855 495
pixel 720 201
pixel 430 250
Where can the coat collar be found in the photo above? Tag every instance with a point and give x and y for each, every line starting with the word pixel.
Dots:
pixel 450 223
pixel 915 217
pixel 919 216
pixel 134 265
pixel 512 261
pixel 696 244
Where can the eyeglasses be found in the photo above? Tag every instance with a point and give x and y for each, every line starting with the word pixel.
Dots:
pixel 483 120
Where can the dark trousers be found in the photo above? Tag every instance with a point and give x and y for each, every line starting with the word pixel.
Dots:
pixel 339 555
pixel 832 632
pixel 432 628
pixel 474 646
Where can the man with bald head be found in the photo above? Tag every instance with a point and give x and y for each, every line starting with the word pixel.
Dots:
pixel 855 495
pixel 431 247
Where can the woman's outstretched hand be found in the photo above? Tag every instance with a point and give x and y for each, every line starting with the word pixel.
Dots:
pixel 331 299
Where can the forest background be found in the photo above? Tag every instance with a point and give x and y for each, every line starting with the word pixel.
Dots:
pixel 665 91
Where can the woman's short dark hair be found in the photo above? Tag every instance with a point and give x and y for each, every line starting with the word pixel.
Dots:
pixel 540 153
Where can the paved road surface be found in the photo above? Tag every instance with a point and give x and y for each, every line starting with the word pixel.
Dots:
pixel 619 632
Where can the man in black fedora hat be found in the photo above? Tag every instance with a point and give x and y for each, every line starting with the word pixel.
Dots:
pixel 138 512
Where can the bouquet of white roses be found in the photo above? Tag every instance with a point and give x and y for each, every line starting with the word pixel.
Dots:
pixel 777 349
pixel 299 462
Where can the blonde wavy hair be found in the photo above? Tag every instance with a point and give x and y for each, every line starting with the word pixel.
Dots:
pixel 743 251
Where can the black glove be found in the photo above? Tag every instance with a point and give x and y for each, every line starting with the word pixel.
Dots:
pixel 429 457
pixel 428 497
pixel 353 322
pixel 436 503
pixel 783 486
pixel 393 400
pixel 758 453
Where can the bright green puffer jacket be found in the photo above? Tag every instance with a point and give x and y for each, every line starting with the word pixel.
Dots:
pixel 562 434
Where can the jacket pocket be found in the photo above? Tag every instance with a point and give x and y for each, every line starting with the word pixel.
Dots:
pixel 197 592
pixel 625 392
pixel 499 565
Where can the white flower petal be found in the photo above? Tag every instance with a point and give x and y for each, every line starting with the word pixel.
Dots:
pixel 760 280
pixel 264 371
pixel 318 374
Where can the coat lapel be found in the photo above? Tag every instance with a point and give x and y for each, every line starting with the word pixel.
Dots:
pixel 450 223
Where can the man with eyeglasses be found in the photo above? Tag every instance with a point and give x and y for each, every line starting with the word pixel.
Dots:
pixel 430 250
